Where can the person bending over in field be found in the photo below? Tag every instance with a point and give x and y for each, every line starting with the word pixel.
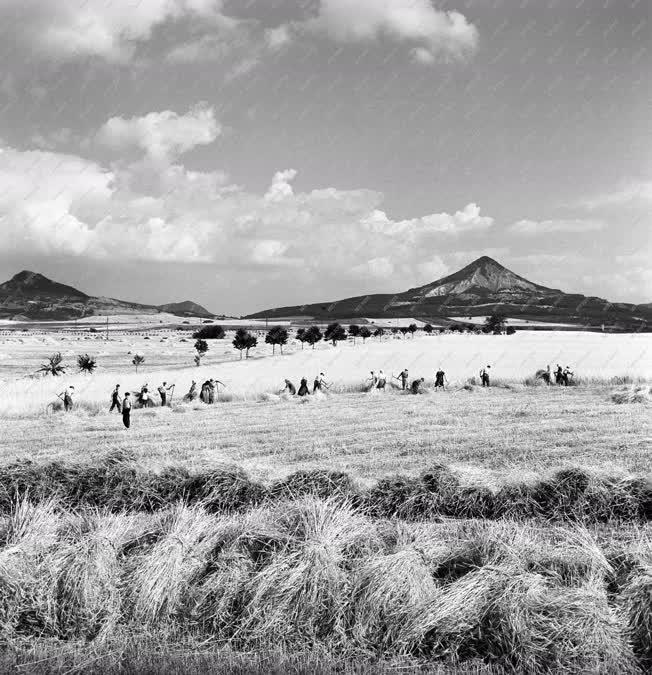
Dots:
pixel 484 376
pixel 403 377
pixel 115 399
pixel 303 388
pixel 290 388
pixel 440 378
pixel 567 376
pixel 163 392
pixel 126 410
pixel 382 381
pixel 417 384
pixel 192 393
pixel 319 383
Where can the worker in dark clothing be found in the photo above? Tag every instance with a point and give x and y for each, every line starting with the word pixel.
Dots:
pixel 403 377
pixel 66 397
pixel 440 377
pixel 115 399
pixel 303 388
pixel 567 375
pixel 290 388
pixel 416 385
pixel 484 376
pixel 126 410
pixel 559 375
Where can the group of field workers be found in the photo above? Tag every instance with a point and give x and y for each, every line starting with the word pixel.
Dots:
pixel 209 391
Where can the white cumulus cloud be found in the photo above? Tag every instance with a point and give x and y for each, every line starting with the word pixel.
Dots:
pixel 432 33
pixel 161 135
pixel 158 210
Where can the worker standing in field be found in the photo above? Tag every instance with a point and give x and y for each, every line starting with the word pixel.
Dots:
pixel 163 393
pixel 126 410
pixel 115 399
pixel 382 381
pixel 403 377
pixel 559 375
pixel 205 392
pixel 373 381
pixel 567 375
pixel 66 396
pixel 303 388
pixel 484 376
pixel 440 377
pixel 319 383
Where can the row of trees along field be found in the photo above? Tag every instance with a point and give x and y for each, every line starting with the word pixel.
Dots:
pixel 278 336
pixel 244 340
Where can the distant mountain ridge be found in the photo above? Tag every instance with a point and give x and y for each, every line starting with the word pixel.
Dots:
pixel 480 288
pixel 30 295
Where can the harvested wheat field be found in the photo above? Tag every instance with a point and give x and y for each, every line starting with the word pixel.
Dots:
pixel 469 530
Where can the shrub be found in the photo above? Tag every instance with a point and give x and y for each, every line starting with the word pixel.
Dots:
pixel 86 363
pixel 54 366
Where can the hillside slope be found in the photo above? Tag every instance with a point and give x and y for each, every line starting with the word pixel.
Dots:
pixel 32 296
pixel 482 287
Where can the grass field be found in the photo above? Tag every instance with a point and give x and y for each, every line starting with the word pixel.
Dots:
pixel 468 531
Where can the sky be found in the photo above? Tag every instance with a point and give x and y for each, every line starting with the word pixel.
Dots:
pixel 248 154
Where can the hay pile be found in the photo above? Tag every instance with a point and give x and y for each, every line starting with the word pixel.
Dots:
pixel 634 394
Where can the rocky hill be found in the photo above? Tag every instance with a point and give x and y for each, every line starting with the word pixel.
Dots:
pixel 481 288
pixel 32 296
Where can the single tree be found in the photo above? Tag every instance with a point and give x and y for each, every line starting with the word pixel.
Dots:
pixel 335 333
pixel 301 336
pixel 252 341
pixel 244 341
pixel 495 323
pixel 354 331
pixel 404 330
pixel 428 328
pixel 313 336
pixel 201 347
pixel 277 335
pixel 413 328
pixel 86 363
pixel 379 332
pixel 53 366
pixel 209 333
pixel 364 334
pixel 138 360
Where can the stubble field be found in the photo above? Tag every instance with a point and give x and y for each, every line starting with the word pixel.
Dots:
pixel 469 530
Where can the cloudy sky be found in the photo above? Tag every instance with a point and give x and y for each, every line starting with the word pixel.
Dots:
pixel 255 153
